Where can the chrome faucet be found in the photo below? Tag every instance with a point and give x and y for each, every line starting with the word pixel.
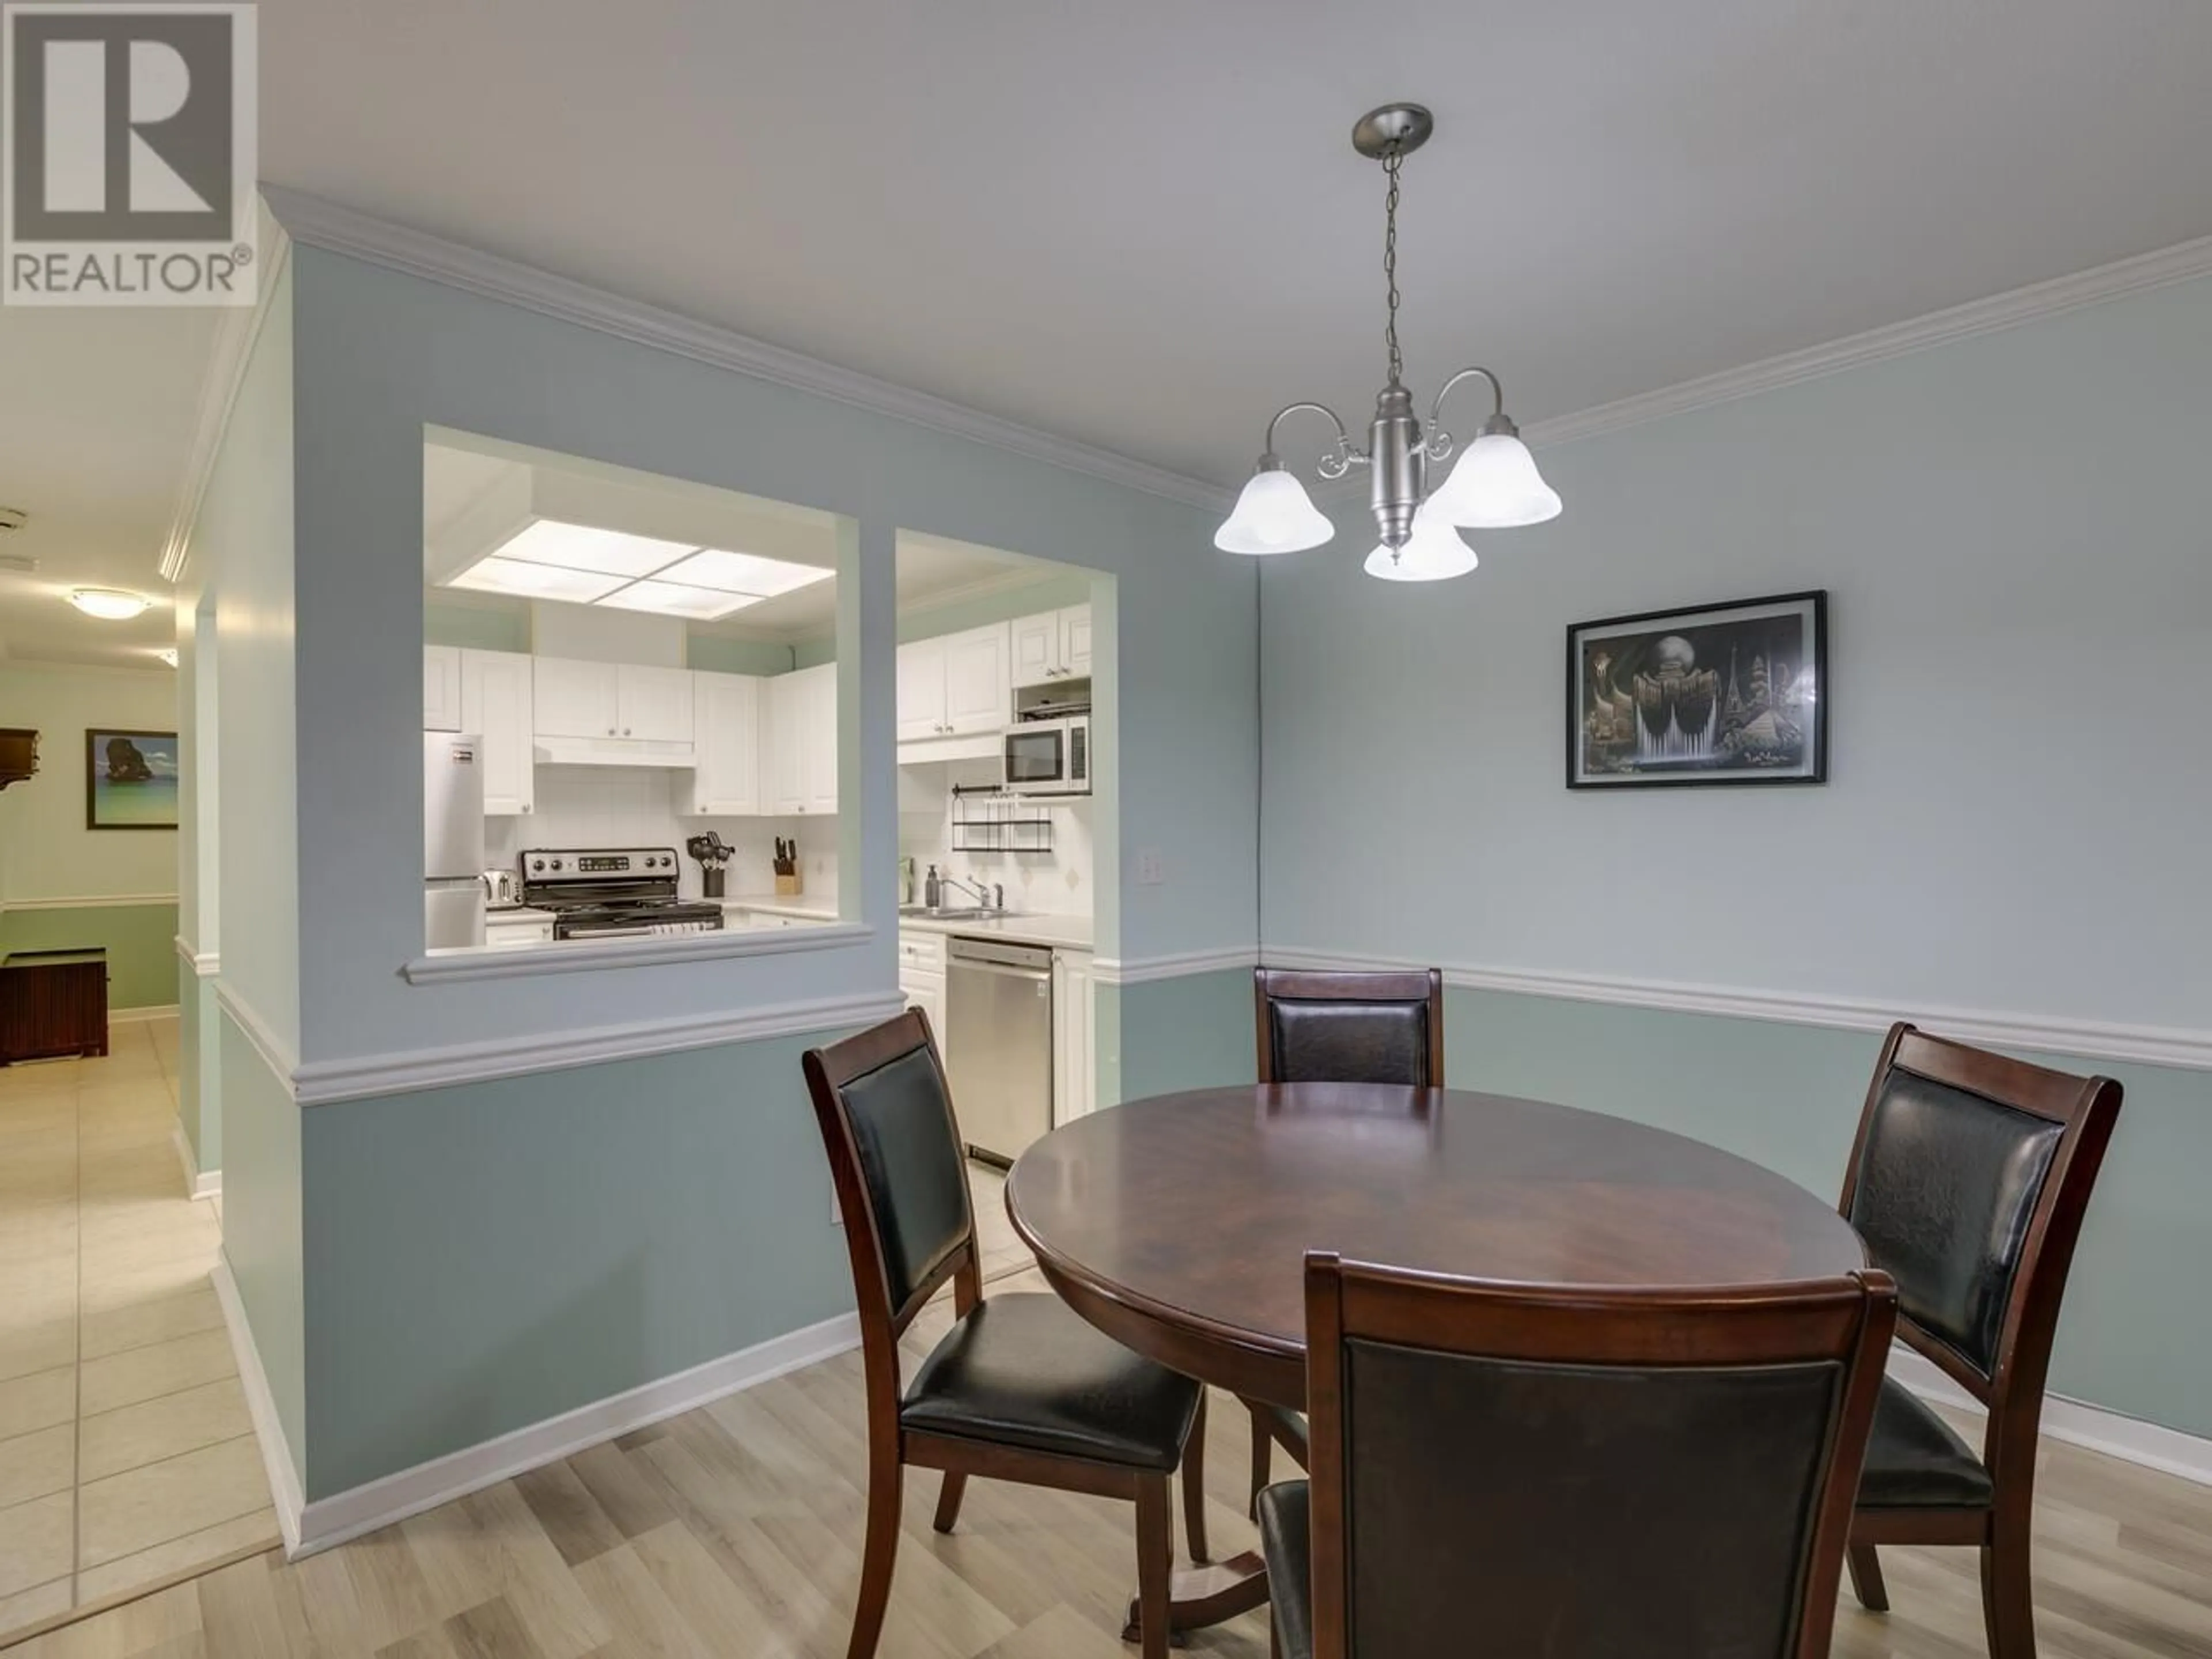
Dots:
pixel 988 898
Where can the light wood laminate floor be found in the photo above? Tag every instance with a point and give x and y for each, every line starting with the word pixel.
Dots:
pixel 733 1531
pixel 126 1455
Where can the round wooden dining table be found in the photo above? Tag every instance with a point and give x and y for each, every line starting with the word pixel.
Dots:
pixel 1180 1225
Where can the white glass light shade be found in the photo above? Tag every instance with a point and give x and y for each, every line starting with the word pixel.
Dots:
pixel 1273 515
pixel 1495 486
pixel 109 604
pixel 1433 553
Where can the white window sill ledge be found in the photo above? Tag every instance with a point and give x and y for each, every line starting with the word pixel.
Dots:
pixel 528 962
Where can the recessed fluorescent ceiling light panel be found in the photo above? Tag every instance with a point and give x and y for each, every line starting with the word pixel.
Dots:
pixel 548 559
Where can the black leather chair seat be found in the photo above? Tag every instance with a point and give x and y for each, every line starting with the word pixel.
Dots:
pixel 1914 1460
pixel 1024 1370
pixel 1286 1543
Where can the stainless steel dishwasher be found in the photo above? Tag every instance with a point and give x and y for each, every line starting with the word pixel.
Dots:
pixel 998 1043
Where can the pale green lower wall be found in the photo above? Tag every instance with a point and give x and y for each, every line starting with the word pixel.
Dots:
pixel 199 1069
pixel 483 1257
pixel 140 939
pixel 261 1223
pixel 1162 1035
pixel 2135 1334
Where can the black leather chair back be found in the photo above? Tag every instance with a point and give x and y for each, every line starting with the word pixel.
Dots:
pixel 1947 1184
pixel 1350 1028
pixel 887 1117
pixel 1677 1483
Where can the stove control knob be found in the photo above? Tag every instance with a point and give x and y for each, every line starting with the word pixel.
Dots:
pixel 537 864
pixel 556 864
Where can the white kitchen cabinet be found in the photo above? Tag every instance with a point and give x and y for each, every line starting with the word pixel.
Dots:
pixel 1074 1042
pixel 956 685
pixel 922 977
pixel 726 725
pixel 921 690
pixel 1053 645
pixel 496 704
pixel 442 688
pixel 575 699
pixel 654 704
pixel 802 741
pixel 978 691
pixel 512 933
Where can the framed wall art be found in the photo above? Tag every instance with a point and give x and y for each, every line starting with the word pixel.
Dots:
pixel 130 779
pixel 1717 694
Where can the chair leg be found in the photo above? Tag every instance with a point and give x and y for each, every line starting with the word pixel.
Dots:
pixel 1865 1563
pixel 1194 1485
pixel 1263 1455
pixel 2008 1587
pixel 886 1479
pixel 1155 1562
pixel 948 1501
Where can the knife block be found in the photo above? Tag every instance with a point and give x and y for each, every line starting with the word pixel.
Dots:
pixel 790 886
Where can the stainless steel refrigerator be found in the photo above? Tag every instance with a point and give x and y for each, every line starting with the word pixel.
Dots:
pixel 453 840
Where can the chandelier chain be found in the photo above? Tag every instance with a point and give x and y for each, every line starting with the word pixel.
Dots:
pixel 1391 163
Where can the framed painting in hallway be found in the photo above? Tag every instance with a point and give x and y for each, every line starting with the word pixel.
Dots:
pixel 1717 694
pixel 130 779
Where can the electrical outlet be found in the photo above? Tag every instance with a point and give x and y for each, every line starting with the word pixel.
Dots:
pixel 1150 871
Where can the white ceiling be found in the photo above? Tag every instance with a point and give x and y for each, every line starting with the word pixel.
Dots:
pixel 96 414
pixel 1141 224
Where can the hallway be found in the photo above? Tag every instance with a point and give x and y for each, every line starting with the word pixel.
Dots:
pixel 127 1454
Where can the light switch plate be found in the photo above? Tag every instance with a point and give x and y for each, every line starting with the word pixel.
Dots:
pixel 1151 871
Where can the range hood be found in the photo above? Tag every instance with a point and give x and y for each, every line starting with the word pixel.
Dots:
pixel 936 751
pixel 614 751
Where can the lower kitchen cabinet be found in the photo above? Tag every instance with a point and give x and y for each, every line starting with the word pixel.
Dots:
pixel 922 977
pixel 1074 1042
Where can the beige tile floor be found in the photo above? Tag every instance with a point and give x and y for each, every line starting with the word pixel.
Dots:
pixel 126 1455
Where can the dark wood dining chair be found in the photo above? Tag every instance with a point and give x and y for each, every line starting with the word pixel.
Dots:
pixel 1340 1028
pixel 1968 1182
pixel 1527 1469
pixel 1020 1388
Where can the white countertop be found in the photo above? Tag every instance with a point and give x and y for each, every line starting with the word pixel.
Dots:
pixel 1059 933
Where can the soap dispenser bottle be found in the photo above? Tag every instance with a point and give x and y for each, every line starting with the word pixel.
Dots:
pixel 932 890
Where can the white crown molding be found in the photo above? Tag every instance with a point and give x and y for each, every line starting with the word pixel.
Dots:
pixel 2077 1423
pixel 326 1082
pixel 226 373
pixel 577 957
pixel 2184 261
pixel 2149 1045
pixel 98 901
pixel 1141 970
pixel 364 1509
pixel 338 229
pixel 275 1055
pixel 205 964
pixel 261 1407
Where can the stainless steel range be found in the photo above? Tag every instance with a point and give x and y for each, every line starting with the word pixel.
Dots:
pixel 612 892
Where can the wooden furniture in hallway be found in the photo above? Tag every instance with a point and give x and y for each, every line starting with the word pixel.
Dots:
pixel 1180 1225
pixel 1968 1181
pixel 1668 1472
pixel 1327 1027
pixel 53 1003
pixel 1019 1388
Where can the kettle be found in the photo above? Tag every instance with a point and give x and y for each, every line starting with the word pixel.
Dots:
pixel 502 889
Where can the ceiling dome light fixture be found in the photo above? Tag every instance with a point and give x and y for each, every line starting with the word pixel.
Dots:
pixel 109 604
pixel 1496 485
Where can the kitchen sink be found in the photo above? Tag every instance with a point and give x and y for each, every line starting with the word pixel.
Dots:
pixel 955 912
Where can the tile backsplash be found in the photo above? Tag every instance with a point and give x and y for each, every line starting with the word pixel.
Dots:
pixel 635 807
pixel 1055 883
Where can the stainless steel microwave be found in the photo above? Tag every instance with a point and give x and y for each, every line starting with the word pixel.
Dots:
pixel 1049 757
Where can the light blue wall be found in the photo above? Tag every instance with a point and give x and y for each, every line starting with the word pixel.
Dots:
pixel 262 1211
pixel 1188 1032
pixel 2012 529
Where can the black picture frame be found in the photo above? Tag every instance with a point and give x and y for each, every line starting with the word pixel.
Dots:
pixel 109 809
pixel 1746 731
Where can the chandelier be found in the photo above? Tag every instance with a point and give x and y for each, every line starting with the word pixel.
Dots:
pixel 1495 486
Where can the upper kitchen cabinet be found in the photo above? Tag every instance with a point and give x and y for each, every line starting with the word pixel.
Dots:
pixel 802 741
pixel 497 704
pixel 442 688
pixel 578 699
pixel 955 685
pixel 727 713
pixel 1053 645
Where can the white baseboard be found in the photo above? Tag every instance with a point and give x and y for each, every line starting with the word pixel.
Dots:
pixel 261 1406
pixel 2093 1427
pixel 141 1016
pixel 347 1515
pixel 196 1185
